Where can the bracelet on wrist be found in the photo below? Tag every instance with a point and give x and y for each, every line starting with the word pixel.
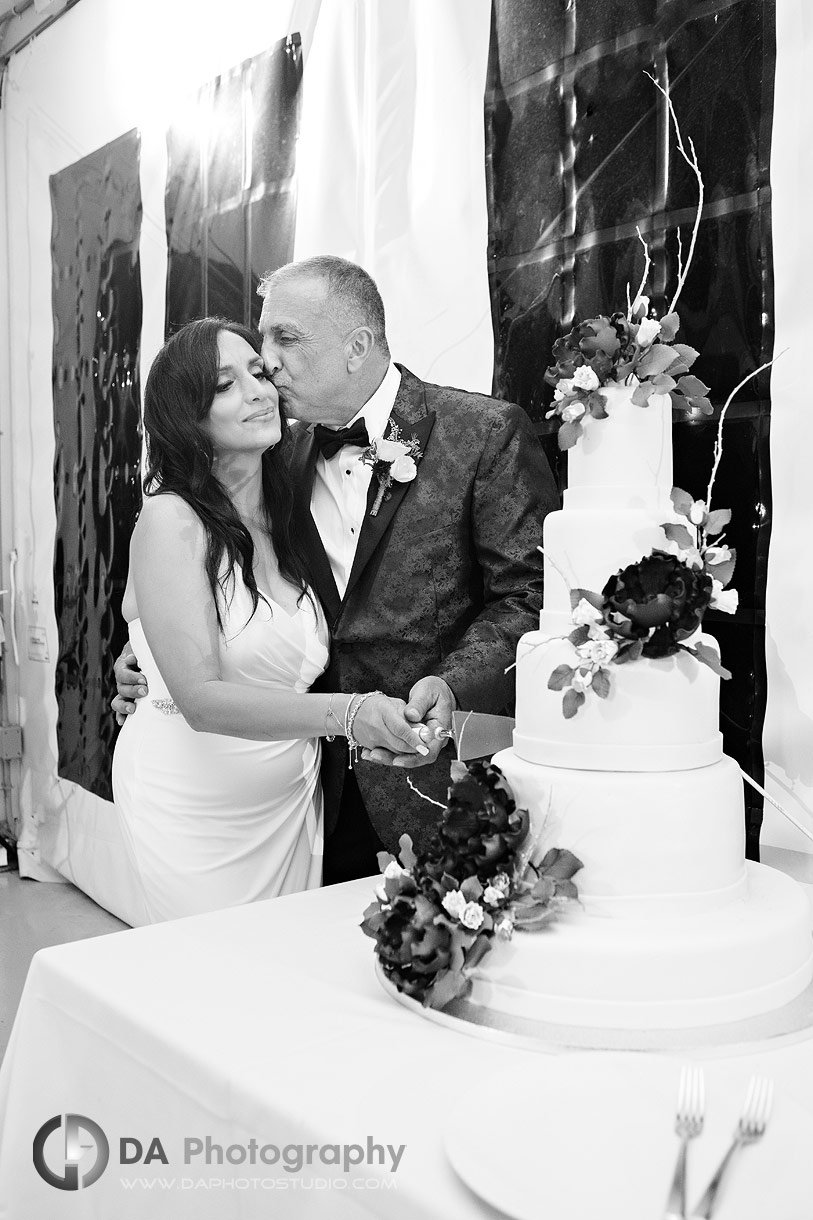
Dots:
pixel 347 713
pixel 330 712
pixel 353 707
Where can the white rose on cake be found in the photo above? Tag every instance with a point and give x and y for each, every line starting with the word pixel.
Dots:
pixel 598 652
pixel 585 379
pixel 472 916
pixel 492 896
pixel 717 554
pixel 454 903
pixel 573 411
pixel 581 679
pixel 648 332
pixel 585 615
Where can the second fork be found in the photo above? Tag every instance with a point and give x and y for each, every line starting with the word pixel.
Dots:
pixel 688 1125
pixel 750 1128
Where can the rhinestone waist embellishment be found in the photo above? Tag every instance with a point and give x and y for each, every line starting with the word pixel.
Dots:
pixel 166 706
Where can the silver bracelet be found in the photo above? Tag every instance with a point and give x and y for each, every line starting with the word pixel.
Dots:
pixel 347 712
pixel 330 712
pixel 353 746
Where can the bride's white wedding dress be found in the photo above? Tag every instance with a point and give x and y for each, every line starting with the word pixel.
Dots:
pixel 213 821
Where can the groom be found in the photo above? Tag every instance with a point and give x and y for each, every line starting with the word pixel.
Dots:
pixel 427 595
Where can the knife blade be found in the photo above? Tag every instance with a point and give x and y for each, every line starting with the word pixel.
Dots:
pixel 478 734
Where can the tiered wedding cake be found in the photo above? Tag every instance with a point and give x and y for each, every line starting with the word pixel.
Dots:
pixel 673 927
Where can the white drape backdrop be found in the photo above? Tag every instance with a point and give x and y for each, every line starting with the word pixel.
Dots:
pixel 390 169
pixel 788 733
pixel 390 172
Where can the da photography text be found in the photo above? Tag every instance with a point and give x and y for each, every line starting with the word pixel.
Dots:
pixel 290 1157
pixel 71 1152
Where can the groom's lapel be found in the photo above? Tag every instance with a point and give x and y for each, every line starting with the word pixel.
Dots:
pixel 410 414
pixel 303 470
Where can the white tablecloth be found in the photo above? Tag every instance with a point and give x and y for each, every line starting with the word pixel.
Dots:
pixel 267 1023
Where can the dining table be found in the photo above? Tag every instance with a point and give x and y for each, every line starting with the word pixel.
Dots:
pixel 249 1063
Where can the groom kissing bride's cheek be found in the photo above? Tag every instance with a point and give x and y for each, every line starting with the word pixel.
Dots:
pixel 418 512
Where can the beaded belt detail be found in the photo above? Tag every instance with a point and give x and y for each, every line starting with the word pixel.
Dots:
pixel 166 706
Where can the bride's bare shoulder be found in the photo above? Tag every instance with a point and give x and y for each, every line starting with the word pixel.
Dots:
pixel 166 505
pixel 165 518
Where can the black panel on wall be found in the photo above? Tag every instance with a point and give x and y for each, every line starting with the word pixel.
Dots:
pixel 580 151
pixel 230 197
pixel 96 295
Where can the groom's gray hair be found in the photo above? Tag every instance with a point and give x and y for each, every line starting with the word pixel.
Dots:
pixel 352 293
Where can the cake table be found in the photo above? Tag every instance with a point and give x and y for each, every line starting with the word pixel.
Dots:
pixel 267 1023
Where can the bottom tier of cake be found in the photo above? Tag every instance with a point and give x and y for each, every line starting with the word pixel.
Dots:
pixel 747 958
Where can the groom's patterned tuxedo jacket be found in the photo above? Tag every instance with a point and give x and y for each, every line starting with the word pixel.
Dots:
pixel 446 578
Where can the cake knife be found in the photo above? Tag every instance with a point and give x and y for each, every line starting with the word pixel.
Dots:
pixel 478 734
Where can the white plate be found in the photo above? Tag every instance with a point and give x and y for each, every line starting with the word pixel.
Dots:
pixel 590 1136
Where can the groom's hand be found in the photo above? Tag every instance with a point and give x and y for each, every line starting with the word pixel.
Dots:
pixel 381 728
pixel 130 684
pixel 431 703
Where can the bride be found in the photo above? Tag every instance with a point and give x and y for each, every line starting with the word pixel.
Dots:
pixel 216 778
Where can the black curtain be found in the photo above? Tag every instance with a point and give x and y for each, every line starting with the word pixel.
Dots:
pixel 96 296
pixel 580 151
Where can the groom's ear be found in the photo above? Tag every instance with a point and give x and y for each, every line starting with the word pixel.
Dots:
pixel 358 347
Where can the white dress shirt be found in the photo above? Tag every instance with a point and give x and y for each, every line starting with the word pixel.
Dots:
pixel 341 484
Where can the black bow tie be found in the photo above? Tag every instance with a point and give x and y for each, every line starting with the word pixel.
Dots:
pixel 331 440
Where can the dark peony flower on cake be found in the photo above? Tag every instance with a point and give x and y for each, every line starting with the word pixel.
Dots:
pixel 437 912
pixel 413 944
pixel 659 600
pixel 652 608
pixel 481 828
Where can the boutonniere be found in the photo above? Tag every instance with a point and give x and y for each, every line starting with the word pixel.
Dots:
pixel 393 461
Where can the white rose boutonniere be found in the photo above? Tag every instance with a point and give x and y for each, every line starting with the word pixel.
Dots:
pixel 404 469
pixel 393 461
pixel 390 450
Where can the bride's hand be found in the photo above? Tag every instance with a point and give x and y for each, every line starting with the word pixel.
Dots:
pixel 382 729
pixel 430 708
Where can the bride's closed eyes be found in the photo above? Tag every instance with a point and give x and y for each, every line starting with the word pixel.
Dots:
pixel 261 373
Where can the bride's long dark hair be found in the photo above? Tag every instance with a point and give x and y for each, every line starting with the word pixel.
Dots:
pixel 180 389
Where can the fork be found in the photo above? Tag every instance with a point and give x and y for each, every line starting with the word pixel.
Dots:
pixel 688 1124
pixel 751 1127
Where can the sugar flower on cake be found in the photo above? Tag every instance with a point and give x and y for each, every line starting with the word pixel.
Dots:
pixel 635 350
pixel 653 608
pixel 701 544
pixel 472 916
pixel 454 903
pixel 492 896
pixel 436 913
pixel 660 601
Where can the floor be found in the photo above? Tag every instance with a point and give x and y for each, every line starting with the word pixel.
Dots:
pixel 33 915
